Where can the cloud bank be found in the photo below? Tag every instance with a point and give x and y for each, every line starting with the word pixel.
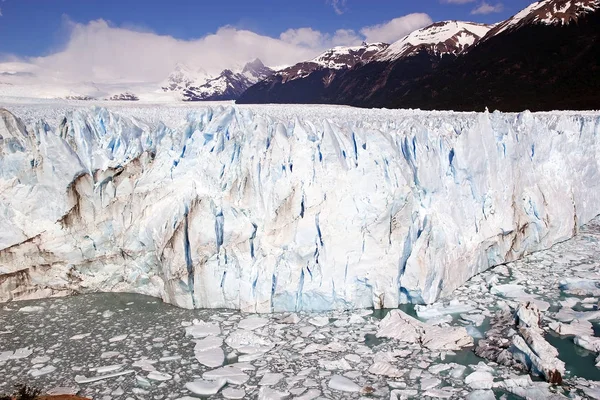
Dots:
pixel 100 52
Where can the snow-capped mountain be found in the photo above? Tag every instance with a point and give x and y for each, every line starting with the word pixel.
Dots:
pixel 197 85
pixel 543 58
pixel 337 58
pixel 446 37
pixel 318 80
pixel 183 77
pixel 307 81
pixel 548 12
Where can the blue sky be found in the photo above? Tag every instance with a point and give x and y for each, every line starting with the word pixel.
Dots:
pixel 39 27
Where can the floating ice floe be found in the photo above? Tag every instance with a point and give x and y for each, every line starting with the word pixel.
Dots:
pixel 229 373
pixel 580 287
pixel 82 379
pixel 343 384
pixel 31 309
pixel 252 323
pixel 159 376
pixel 202 329
pixel 385 369
pixel 519 339
pixel 203 387
pixel 15 355
pixel 401 326
pixel 42 371
pixel 247 342
pixel 437 310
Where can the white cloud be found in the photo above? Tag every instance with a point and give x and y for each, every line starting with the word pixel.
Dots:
pixel 0 12
pixel 98 52
pixel 395 29
pixel 311 38
pixel 485 8
pixel 101 52
pixel 345 37
pixel 303 37
pixel 338 6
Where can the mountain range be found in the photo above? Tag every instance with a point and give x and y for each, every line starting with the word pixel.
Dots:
pixel 545 57
pixel 228 85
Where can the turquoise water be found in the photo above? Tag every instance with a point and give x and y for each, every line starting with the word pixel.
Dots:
pixel 579 362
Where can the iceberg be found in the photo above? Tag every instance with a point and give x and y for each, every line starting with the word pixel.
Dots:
pixel 285 208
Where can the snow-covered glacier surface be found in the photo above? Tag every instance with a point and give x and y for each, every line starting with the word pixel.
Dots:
pixel 283 208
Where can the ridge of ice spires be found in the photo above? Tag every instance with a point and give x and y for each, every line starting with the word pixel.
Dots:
pixel 288 209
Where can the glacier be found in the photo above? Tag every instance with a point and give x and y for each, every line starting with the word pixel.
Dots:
pixel 279 208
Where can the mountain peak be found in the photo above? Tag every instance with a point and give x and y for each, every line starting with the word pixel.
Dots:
pixel 444 37
pixel 255 71
pixel 547 12
pixel 253 65
pixel 348 56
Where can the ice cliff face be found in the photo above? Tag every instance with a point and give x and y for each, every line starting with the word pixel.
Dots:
pixel 262 211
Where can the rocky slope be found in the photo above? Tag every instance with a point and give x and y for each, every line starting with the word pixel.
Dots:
pixel 541 59
pixel 307 82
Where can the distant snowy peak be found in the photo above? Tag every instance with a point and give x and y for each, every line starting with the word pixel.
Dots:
pixel 256 71
pixel 197 85
pixel 183 77
pixel 126 96
pixel 228 85
pixel 547 12
pixel 347 57
pixel 336 58
pixel 446 37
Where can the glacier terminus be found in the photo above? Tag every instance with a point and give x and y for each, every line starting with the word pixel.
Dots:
pixel 283 208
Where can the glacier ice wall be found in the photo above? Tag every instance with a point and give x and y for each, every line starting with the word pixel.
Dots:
pixel 267 211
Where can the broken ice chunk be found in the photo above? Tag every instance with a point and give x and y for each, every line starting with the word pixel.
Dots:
pixel 319 321
pixel 270 379
pixel 401 326
pixel 205 388
pixel 42 371
pixel 159 376
pixel 118 338
pixel 252 323
pixel 343 384
pixel 202 329
pixel 31 309
pixel 247 342
pixel 229 373
pixel 385 369
pixel 439 309
pixel 82 379
pixel 211 358
pixel 480 380
pixel 233 393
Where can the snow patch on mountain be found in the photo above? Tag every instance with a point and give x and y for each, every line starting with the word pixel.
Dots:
pixel 336 58
pixel 547 12
pixel 191 85
pixel 346 57
pixel 447 37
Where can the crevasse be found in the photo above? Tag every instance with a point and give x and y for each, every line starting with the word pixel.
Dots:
pixel 265 211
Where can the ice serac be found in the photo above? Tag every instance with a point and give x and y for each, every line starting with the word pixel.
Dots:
pixel 273 209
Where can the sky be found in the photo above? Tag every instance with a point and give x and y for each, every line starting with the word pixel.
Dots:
pixel 131 40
